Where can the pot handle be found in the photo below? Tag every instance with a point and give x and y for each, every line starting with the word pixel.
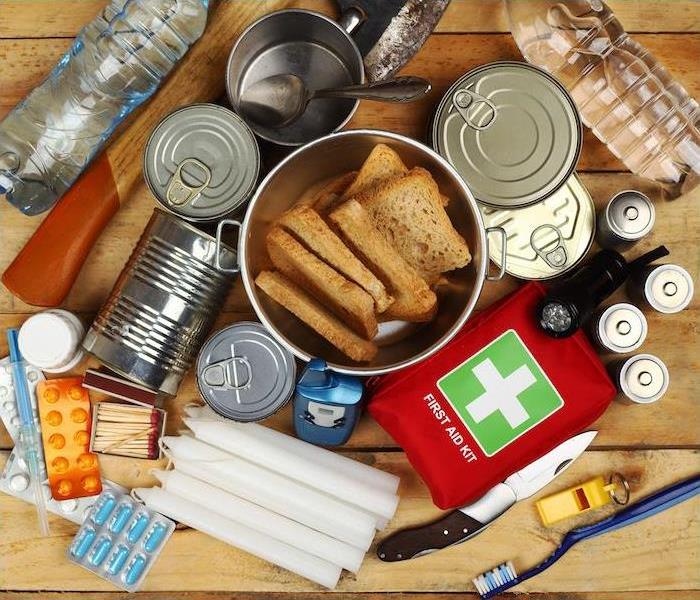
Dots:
pixel 351 19
pixel 502 269
pixel 217 260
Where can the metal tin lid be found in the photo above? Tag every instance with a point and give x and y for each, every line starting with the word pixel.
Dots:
pixel 512 132
pixel 202 162
pixel 630 215
pixel 244 374
pixel 548 238
pixel 622 327
pixel 644 378
pixel 668 288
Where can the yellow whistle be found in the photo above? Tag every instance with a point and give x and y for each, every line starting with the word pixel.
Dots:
pixel 581 498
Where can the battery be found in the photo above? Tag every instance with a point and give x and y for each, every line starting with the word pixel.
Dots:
pixel 620 328
pixel 665 288
pixel 642 379
pixel 627 218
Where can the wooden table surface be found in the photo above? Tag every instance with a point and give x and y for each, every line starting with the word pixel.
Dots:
pixel 653 446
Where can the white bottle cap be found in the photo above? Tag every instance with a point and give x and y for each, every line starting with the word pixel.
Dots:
pixel 50 340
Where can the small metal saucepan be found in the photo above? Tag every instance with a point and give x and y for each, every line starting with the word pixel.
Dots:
pixel 401 344
pixel 311 46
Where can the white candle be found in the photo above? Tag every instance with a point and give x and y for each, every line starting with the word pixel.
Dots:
pixel 242 537
pixel 259 518
pixel 272 491
pixel 241 442
pixel 343 465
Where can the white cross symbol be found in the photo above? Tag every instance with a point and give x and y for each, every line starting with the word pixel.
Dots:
pixel 501 393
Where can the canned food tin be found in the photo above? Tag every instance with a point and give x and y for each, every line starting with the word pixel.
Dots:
pixel 202 162
pixel 626 219
pixel 643 378
pixel 620 328
pixel 244 374
pixel 666 288
pixel 163 304
pixel 546 239
pixel 511 131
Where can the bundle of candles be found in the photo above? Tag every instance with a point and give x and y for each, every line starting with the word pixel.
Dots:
pixel 127 430
pixel 300 507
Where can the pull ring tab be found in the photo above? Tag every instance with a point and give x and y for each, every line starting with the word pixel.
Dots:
pixel 224 375
pixel 503 257
pixel 556 257
pixel 178 192
pixel 477 111
pixel 219 232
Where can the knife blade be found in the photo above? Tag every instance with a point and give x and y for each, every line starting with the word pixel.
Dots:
pixel 459 525
pixel 392 31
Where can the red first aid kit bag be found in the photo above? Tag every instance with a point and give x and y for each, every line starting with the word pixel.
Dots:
pixel 498 396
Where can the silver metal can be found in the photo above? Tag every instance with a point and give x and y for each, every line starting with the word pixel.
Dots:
pixel 642 379
pixel 202 162
pixel 244 374
pixel 547 239
pixel 511 131
pixel 665 288
pixel 163 304
pixel 620 328
pixel 626 219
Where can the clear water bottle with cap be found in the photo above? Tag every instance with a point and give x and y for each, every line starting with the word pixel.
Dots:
pixel 116 62
pixel 647 119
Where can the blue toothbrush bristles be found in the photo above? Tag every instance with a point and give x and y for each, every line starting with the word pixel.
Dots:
pixel 495 578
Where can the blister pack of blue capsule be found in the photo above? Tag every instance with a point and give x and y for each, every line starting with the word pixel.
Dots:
pixel 120 540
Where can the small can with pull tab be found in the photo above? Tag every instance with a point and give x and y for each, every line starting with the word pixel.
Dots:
pixel 641 379
pixel 326 405
pixel 244 374
pixel 202 162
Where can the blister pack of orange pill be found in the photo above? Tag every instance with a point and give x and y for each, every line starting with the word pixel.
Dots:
pixel 64 412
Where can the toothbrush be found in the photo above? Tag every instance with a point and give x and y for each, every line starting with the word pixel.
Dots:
pixel 504 576
pixel 28 433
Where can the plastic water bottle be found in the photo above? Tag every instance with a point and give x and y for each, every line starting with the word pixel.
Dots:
pixel 632 104
pixel 116 62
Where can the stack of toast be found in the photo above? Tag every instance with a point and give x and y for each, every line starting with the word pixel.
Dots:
pixel 369 247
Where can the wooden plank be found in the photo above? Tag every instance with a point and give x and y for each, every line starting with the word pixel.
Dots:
pixel 64 18
pixel 443 59
pixel 177 595
pixel 663 423
pixel 624 560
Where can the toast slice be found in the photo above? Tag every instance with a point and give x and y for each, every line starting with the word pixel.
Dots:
pixel 346 299
pixel 413 299
pixel 331 193
pixel 306 225
pixel 315 315
pixel 383 164
pixel 409 211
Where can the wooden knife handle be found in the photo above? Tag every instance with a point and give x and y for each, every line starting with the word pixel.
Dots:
pixel 453 528
pixel 48 265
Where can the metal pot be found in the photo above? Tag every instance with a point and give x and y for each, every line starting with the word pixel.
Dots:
pixel 401 344
pixel 310 45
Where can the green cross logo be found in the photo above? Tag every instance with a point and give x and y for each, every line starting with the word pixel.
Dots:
pixel 500 392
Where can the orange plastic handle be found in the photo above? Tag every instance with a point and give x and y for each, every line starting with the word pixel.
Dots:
pixel 44 271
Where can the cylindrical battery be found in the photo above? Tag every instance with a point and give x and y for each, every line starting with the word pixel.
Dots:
pixel 627 218
pixel 620 328
pixel 641 379
pixel 665 288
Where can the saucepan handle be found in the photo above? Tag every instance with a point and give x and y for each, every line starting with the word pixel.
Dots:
pixel 502 269
pixel 351 19
pixel 219 232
